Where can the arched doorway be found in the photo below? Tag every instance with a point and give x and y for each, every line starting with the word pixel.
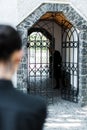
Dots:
pixel 42 37
pixel 74 18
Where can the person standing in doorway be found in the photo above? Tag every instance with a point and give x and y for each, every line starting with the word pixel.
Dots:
pixel 55 66
pixel 18 111
pixel 57 62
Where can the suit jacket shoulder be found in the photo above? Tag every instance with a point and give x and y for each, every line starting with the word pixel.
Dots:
pixel 19 111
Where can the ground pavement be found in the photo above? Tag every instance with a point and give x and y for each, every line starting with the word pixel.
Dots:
pixel 64 115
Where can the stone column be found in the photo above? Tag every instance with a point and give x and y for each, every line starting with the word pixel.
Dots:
pixel 23 67
pixel 83 67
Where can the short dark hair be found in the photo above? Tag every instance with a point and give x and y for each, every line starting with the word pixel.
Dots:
pixel 10 41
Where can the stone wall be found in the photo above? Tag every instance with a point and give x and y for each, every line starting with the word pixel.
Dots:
pixel 78 22
pixel 14 12
pixel 26 7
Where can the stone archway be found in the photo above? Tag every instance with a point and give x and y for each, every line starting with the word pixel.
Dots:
pixel 78 22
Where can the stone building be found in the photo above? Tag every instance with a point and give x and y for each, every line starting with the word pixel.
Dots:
pixel 61 25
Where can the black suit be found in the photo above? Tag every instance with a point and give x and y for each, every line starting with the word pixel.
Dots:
pixel 19 111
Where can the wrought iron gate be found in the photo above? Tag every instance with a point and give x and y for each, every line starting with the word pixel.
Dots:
pixel 70 64
pixel 39 42
pixel 39 81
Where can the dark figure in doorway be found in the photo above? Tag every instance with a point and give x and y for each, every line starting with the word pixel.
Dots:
pixel 18 111
pixel 55 63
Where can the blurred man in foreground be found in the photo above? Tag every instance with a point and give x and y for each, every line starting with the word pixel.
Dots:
pixel 18 111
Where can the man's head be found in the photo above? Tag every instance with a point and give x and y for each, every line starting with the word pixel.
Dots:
pixel 10 48
pixel 10 41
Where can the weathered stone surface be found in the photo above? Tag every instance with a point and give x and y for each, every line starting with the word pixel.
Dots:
pixel 77 21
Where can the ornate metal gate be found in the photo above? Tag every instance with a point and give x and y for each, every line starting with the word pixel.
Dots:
pixel 40 39
pixel 70 64
pixel 39 81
